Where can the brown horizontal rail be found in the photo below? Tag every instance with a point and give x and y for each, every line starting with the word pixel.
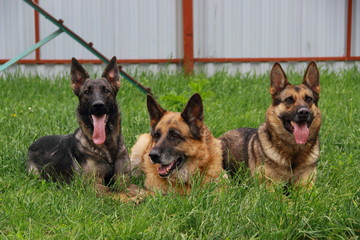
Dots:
pixel 93 61
pixel 202 60
pixel 287 59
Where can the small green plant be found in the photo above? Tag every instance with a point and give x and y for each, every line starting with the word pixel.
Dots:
pixel 175 101
pixel 200 85
pixel 197 84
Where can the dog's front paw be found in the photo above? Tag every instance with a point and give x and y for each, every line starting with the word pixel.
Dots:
pixel 132 193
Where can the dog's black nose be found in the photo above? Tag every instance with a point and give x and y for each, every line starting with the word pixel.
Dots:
pixel 303 113
pixel 155 155
pixel 98 104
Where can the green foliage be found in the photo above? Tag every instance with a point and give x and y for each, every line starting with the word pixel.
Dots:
pixel 197 84
pixel 34 209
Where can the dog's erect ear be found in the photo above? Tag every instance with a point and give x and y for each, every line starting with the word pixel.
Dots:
pixel 156 112
pixel 193 114
pixel 312 78
pixel 112 74
pixel 278 80
pixel 78 75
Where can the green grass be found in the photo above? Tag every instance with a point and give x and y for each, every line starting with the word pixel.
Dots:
pixel 33 209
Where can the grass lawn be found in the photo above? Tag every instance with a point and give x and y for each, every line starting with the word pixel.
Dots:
pixel 32 107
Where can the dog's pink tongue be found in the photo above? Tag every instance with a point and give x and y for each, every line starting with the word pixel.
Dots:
pixel 99 135
pixel 301 132
pixel 164 169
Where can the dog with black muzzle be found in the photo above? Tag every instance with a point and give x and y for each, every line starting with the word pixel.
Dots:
pixel 286 147
pixel 178 147
pixel 96 148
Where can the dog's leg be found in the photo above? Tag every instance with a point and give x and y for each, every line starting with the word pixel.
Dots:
pixel 306 177
pixel 132 193
pixel 122 162
pixel 100 188
pixel 137 153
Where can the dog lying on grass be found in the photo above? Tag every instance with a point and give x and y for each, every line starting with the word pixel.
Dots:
pixel 96 148
pixel 286 147
pixel 178 147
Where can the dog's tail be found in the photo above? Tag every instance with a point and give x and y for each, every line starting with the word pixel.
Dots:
pixel 137 153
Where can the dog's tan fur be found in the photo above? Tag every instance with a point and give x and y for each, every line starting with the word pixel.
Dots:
pixel 272 150
pixel 203 154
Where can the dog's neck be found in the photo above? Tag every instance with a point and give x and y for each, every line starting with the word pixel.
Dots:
pixel 276 148
pixel 111 146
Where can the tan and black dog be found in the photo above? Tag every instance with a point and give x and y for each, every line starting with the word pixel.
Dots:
pixel 178 147
pixel 286 147
pixel 97 147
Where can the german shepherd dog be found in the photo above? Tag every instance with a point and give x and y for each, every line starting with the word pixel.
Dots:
pixel 286 147
pixel 178 146
pixel 97 147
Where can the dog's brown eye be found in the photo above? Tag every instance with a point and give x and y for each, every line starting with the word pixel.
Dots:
pixel 157 135
pixel 308 99
pixel 289 100
pixel 106 90
pixel 174 135
pixel 87 91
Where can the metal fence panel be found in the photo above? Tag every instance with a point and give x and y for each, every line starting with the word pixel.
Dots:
pixel 152 29
pixel 137 29
pixel 277 28
pixel 16 28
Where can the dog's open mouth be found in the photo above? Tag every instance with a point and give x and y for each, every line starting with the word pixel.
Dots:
pixel 99 122
pixel 167 170
pixel 300 130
